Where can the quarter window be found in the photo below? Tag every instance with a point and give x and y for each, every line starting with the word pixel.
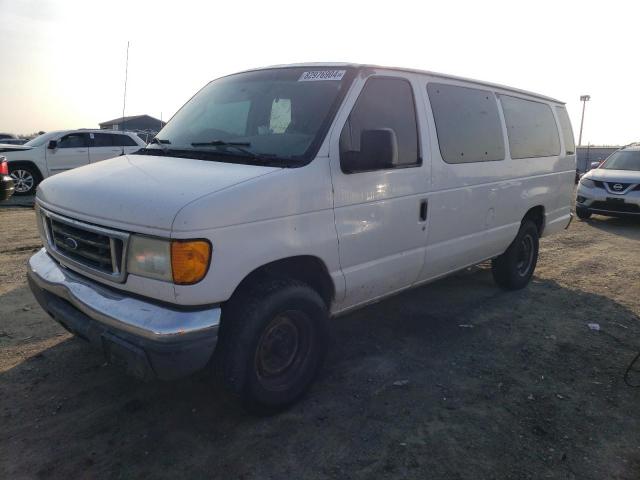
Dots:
pixel 567 131
pixel 124 141
pixel 467 123
pixel 384 103
pixel 531 128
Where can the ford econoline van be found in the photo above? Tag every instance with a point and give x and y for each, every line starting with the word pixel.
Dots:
pixel 280 197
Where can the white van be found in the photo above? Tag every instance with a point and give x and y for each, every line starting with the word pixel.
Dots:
pixel 277 198
pixel 55 152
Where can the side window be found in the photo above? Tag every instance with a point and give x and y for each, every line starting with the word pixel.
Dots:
pixel 280 115
pixel 531 128
pixel 124 141
pixel 384 103
pixel 101 140
pixel 467 123
pixel 73 140
pixel 567 131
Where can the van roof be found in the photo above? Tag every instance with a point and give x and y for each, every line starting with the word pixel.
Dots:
pixel 412 70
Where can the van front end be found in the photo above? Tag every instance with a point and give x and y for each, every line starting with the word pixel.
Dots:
pixel 149 338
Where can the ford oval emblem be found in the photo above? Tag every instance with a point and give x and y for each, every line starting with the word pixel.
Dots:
pixel 71 243
pixel 617 187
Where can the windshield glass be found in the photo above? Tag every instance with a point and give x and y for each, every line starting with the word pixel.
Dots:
pixel 276 113
pixel 41 139
pixel 623 160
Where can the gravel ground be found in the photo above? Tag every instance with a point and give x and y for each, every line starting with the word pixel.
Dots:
pixel 454 380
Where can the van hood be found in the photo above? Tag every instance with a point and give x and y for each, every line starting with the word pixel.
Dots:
pixel 7 147
pixel 140 192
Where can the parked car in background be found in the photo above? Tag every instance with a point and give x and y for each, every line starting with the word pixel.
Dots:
pixel 55 152
pixel 276 198
pixel 10 139
pixel 6 182
pixel 613 187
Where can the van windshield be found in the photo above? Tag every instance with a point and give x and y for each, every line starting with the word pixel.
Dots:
pixel 276 114
pixel 623 160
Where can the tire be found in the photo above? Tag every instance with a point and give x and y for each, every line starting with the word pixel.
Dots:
pixel 583 213
pixel 272 344
pixel 25 177
pixel 514 268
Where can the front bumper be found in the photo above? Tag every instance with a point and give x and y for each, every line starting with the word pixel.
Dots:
pixel 600 201
pixel 148 339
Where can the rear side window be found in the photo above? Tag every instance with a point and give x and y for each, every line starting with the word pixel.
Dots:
pixel 101 140
pixel 383 103
pixel 124 141
pixel 467 123
pixel 531 128
pixel 567 131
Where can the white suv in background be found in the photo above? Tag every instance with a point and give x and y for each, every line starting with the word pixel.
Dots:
pixel 55 152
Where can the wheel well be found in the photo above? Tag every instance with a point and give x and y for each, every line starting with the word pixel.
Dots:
pixel 536 214
pixel 305 268
pixel 26 163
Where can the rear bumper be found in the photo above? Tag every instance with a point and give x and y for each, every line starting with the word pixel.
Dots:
pixel 148 339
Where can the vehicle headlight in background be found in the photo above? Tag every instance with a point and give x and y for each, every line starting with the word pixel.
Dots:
pixel 587 182
pixel 183 262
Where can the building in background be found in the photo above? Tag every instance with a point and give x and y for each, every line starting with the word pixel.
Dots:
pixel 592 153
pixel 145 126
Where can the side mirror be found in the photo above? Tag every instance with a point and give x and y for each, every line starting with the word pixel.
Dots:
pixel 52 145
pixel 595 164
pixel 378 151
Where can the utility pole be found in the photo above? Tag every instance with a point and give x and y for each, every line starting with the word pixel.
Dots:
pixel 584 99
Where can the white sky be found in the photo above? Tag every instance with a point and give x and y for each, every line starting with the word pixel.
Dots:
pixel 62 61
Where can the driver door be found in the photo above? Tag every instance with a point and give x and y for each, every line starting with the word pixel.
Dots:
pixel 72 150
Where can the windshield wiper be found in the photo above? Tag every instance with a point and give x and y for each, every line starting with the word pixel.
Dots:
pixel 238 146
pixel 161 143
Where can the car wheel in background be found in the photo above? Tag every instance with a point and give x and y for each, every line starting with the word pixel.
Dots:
pixel 25 178
pixel 583 213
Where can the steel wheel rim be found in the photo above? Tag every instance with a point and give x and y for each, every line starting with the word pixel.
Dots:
pixel 23 180
pixel 282 350
pixel 525 255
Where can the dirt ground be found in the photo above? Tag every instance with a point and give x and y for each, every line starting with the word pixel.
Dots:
pixel 454 380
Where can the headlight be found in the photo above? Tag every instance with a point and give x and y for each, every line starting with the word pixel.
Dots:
pixel 180 261
pixel 587 182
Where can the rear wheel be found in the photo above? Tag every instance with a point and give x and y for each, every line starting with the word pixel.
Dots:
pixel 583 213
pixel 272 344
pixel 514 268
pixel 25 179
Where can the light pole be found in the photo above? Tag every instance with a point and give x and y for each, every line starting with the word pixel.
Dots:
pixel 584 99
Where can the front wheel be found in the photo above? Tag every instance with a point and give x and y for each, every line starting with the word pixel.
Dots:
pixel 25 179
pixel 272 343
pixel 514 268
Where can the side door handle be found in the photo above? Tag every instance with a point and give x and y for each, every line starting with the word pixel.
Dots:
pixel 424 208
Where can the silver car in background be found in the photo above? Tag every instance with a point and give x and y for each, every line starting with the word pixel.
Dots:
pixel 613 188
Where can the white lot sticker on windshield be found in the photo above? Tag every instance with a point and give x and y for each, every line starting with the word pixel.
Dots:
pixel 319 75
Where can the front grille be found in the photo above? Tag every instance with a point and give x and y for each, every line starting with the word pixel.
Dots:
pixel 88 247
pixel 623 186
pixel 615 207
pixel 598 183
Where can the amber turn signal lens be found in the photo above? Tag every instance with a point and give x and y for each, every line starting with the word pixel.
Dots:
pixel 189 260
